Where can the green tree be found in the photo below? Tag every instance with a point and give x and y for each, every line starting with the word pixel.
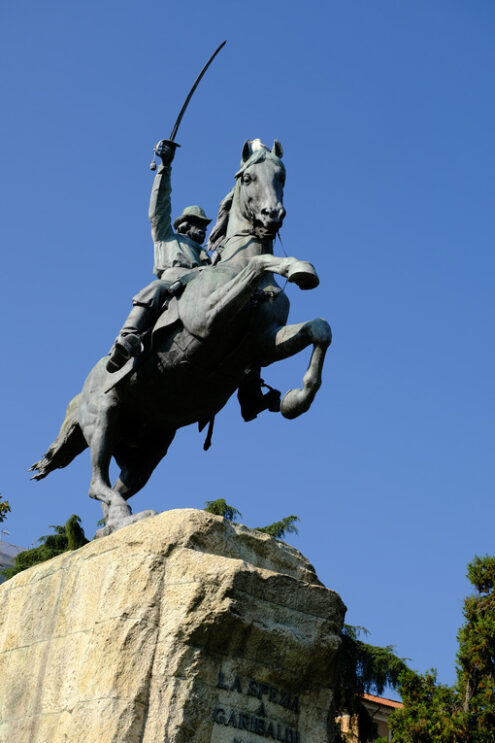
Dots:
pixel 430 713
pixel 220 507
pixel 67 537
pixel 4 510
pixel 278 529
pixel 476 656
pixel 464 713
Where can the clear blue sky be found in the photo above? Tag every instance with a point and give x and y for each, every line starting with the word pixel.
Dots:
pixel 386 114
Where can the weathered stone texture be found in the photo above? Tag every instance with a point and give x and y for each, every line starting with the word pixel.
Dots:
pixel 173 630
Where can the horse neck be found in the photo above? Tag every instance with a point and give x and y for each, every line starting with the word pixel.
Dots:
pixel 241 243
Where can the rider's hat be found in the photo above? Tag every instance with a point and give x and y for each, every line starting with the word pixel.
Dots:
pixel 192 214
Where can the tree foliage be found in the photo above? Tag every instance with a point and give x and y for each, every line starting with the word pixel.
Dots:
pixel 278 529
pixel 220 507
pixel 4 510
pixel 476 656
pixel 67 537
pixel 429 713
pixel 464 713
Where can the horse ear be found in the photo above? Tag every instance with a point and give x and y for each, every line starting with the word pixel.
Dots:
pixel 246 152
pixel 277 148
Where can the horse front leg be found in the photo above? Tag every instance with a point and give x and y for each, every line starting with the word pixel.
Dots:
pixel 288 340
pixel 230 298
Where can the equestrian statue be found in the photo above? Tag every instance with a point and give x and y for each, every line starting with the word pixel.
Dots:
pixel 195 336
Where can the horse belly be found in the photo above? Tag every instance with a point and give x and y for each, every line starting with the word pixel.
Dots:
pixel 183 381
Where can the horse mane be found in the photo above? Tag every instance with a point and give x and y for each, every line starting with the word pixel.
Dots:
pixel 220 229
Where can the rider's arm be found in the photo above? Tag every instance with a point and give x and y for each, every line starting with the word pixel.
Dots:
pixel 160 211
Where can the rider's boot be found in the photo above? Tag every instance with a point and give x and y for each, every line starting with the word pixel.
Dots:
pixel 129 341
pixel 251 398
pixel 147 305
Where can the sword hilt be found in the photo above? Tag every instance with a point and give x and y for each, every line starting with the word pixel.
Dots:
pixel 165 149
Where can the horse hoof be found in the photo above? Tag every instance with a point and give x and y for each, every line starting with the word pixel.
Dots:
pixel 304 275
pixel 114 524
pixel 294 403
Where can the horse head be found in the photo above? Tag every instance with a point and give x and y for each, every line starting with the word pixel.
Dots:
pixel 255 205
pixel 260 186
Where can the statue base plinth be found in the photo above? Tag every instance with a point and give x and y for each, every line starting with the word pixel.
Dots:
pixel 182 628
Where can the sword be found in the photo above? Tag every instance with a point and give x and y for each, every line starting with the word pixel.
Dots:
pixel 171 140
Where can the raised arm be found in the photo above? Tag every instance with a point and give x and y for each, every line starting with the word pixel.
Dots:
pixel 160 211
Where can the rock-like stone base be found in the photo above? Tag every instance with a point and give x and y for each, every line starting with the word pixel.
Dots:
pixel 181 628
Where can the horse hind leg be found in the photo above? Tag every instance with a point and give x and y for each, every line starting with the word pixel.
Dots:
pixel 101 441
pixel 289 340
pixel 137 465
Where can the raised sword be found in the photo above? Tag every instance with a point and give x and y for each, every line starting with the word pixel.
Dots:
pixel 171 140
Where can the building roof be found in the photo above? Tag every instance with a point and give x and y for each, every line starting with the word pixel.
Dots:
pixel 382 701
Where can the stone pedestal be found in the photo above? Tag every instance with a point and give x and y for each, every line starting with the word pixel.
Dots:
pixel 181 628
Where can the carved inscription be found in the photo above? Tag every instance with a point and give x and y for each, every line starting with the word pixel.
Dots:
pixel 259 690
pixel 257 723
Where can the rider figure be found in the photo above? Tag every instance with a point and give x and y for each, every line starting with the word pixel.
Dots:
pixel 176 254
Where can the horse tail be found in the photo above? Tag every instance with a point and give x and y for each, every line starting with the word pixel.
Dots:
pixel 69 443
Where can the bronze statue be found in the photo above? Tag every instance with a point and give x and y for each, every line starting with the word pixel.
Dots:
pixel 175 255
pixel 225 320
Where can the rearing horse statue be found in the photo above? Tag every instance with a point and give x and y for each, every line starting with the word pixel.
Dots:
pixel 230 317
